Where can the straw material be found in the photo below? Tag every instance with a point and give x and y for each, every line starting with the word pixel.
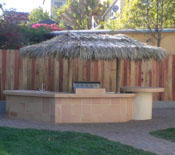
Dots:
pixel 93 47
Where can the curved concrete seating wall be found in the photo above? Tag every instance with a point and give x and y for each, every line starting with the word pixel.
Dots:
pixel 69 108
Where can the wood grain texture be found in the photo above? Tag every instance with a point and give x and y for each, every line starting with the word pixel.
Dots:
pixel 173 78
pixel 17 73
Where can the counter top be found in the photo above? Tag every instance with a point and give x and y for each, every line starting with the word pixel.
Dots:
pixel 142 89
pixel 64 94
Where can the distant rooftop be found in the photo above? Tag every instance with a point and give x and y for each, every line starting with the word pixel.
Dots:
pixel 16 12
pixel 48 21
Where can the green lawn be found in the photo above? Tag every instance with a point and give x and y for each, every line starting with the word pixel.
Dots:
pixel 42 142
pixel 168 134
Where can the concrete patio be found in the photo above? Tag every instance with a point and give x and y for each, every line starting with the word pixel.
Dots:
pixel 134 133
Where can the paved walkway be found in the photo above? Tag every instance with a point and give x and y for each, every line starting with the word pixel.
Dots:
pixel 135 133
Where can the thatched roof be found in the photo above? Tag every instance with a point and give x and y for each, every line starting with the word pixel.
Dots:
pixel 93 47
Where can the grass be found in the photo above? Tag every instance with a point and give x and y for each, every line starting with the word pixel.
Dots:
pixel 167 134
pixel 42 142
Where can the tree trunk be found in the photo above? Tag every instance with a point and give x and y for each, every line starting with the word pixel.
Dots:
pixel 118 74
pixel 159 38
pixel 158 42
pixel 69 75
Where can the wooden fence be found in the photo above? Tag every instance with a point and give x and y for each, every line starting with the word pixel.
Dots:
pixel 17 73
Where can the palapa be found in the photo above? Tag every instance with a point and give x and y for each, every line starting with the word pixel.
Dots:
pixel 94 47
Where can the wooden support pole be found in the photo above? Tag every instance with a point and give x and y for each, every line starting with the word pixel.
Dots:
pixel 70 75
pixel 118 75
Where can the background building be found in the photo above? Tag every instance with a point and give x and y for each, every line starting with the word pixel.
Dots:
pixel 57 3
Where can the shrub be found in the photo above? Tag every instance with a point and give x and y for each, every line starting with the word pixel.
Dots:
pixel 32 36
pixel 14 36
pixel 9 34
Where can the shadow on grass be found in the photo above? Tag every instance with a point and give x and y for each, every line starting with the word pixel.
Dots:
pixel 42 142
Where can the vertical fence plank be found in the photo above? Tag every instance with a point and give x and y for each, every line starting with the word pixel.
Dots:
pixel 88 71
pixel 91 71
pixel 125 74
pixel 8 80
pixel 173 77
pixel 24 75
pixel 34 74
pixel 45 73
pixel 106 75
pixel 153 77
pixel 20 71
pixel 80 70
pixel 3 71
pixel 51 74
pixel 170 79
pixel 137 73
pixel 143 72
pixel 148 73
pixel 16 70
pixel 61 75
pixel 95 70
pixel 1 89
pixel 113 76
pixel 65 75
pixel 132 79
pixel 56 75
pixel 101 72
pixel 129 73
pixel 75 70
pixel 11 71
pixel 165 70
pixel 122 72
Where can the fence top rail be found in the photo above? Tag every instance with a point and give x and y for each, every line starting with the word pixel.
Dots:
pixel 124 31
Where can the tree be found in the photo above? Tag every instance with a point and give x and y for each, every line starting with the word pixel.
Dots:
pixel 10 36
pixel 151 14
pixel 1 8
pixel 78 14
pixel 37 15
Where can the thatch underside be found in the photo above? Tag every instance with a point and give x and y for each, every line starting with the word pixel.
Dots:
pixel 93 47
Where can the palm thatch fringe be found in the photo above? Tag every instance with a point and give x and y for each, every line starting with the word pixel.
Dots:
pixel 93 47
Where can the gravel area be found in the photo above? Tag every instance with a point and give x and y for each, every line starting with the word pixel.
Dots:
pixel 134 133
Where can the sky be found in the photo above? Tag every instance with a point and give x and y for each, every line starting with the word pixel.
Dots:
pixel 25 5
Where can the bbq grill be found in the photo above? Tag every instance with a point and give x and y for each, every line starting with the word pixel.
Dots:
pixel 86 85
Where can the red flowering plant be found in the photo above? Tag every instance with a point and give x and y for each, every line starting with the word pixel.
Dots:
pixel 39 32
pixel 52 27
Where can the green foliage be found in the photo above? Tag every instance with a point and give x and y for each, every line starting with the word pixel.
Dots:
pixel 37 15
pixel 145 14
pixel 42 142
pixel 78 14
pixel 54 15
pixel 33 36
pixel 167 134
